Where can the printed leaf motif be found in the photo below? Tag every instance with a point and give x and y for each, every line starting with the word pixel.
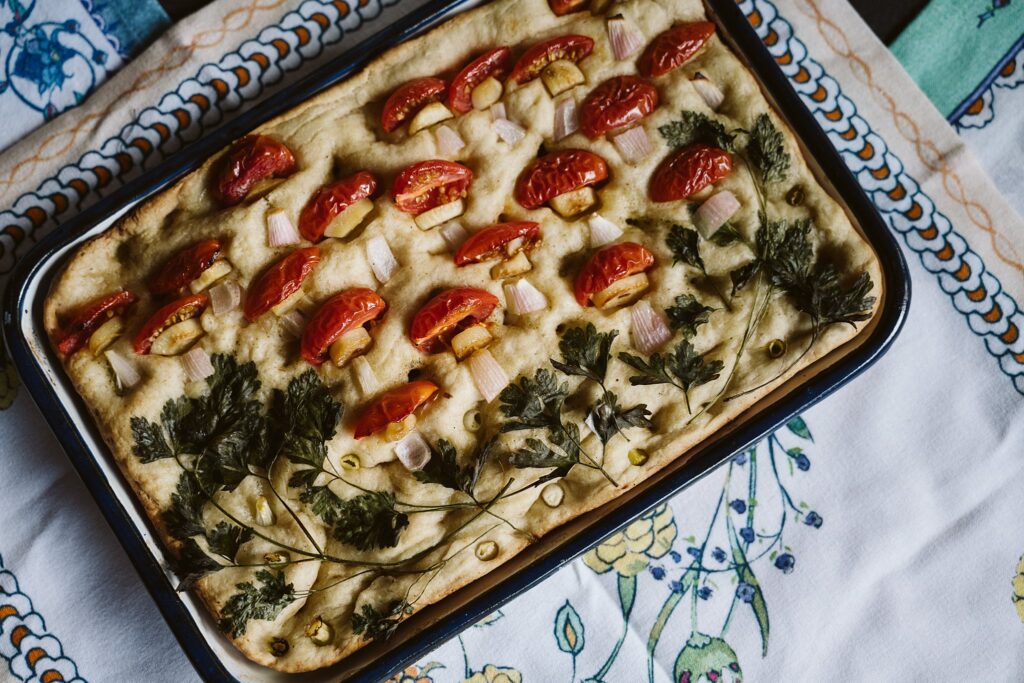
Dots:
pixel 569 629
pixel 746 577
pixel 799 427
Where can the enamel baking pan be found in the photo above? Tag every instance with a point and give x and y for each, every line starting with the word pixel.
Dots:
pixel 214 658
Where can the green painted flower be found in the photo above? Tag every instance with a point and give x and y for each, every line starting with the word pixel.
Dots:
pixel 628 552
pixel 706 659
pixel 495 674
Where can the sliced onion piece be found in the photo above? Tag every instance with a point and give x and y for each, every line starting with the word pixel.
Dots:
pixel 489 377
pixel 225 297
pixel 715 212
pixel 124 371
pixel 413 451
pixel 365 376
pixel 633 144
pixel 294 322
pixel 624 37
pixel 382 261
pixel 197 364
pixel 522 297
pixel 498 111
pixel 509 131
pixel 454 234
pixel 448 141
pixel 650 329
pixel 602 231
pixel 280 230
pixel 567 119
pixel 706 88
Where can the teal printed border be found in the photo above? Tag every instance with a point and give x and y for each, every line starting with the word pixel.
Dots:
pixel 978 109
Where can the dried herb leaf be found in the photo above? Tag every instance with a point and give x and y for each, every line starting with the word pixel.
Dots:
pixel 374 624
pixel 692 127
pixel 264 602
pixel 684 244
pixel 585 352
pixel 688 314
pixel 767 150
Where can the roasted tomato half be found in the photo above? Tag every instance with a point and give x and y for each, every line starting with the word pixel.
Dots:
pixel 330 200
pixel 426 184
pixel 688 171
pixel 89 317
pixel 250 160
pixel 617 102
pixel 393 406
pixel 184 267
pixel 447 314
pixel 493 63
pixel 563 7
pixel 557 173
pixel 339 314
pixel 497 241
pixel 408 99
pixel 184 308
pixel 533 61
pixel 609 265
pixel 280 281
pixel 674 47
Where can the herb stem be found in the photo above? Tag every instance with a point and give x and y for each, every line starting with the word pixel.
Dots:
pixel 813 340
pixel 294 515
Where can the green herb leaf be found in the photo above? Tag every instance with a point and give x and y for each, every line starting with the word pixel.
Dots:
pixel 685 246
pixel 374 624
pixel 536 453
pixel 608 418
pixel 742 275
pixel 651 372
pixel 767 150
pixel 184 518
pixel 828 302
pixel 304 418
pixel 533 404
pixel 725 235
pixel 585 352
pixel 264 602
pixel 688 314
pixel 692 127
pixel 192 564
pixel 690 367
pixel 366 522
pixel 225 539
pixel 443 468
pixel 150 444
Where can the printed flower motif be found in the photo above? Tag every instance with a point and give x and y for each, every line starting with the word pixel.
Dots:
pixel 813 519
pixel 745 592
pixel 415 674
pixel 42 61
pixel 747 534
pixel 495 674
pixel 706 659
pixel 569 633
pixel 785 563
pixel 629 551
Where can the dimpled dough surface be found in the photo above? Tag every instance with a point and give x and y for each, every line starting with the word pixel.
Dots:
pixel 336 134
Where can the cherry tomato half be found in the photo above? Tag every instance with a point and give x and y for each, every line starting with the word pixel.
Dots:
pixel 280 281
pixel 182 309
pixel 89 317
pixel 339 314
pixel 408 99
pixel 426 184
pixel 250 160
pixel 393 406
pixel 493 63
pixel 557 173
pixel 447 313
pixel 674 47
pixel 563 7
pixel 533 61
pixel 184 267
pixel 330 200
pixel 688 171
pixel 617 102
pixel 609 265
pixel 493 241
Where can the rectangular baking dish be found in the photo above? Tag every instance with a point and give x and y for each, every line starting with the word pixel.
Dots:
pixel 214 658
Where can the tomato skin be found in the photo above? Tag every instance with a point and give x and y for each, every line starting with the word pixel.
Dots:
pixel 184 267
pixel 393 406
pixel 408 99
pixel 184 308
pixel 330 200
pixel 492 63
pixel 279 281
pixel 674 47
pixel 424 185
pixel 489 242
pixel 687 171
pixel 557 173
pixel 563 7
pixel 617 102
pixel 250 160
pixel 608 265
pixel 446 313
pixel 339 314
pixel 533 61
pixel 89 317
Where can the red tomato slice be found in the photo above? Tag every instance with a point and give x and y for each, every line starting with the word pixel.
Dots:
pixel 688 171
pixel 427 184
pixel 493 63
pixel 250 160
pixel 393 406
pixel 491 241
pixel 557 173
pixel 184 267
pixel 280 281
pixel 609 265
pixel 339 314
pixel 408 99
pixel 617 102
pixel 674 47
pixel 447 313
pixel 184 308
pixel 533 61
pixel 563 7
pixel 89 317
pixel 330 200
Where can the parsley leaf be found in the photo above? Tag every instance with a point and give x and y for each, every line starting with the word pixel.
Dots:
pixel 304 418
pixel 609 419
pixel 533 404
pixel 536 453
pixel 374 624
pixel 150 444
pixel 685 246
pixel 443 468
pixel 184 518
pixel 783 251
pixel 693 127
pixel 366 522
pixel 688 314
pixel 683 368
pixel 192 564
pixel 263 603
pixel 585 352
pixel 767 150
pixel 225 539
pixel 725 235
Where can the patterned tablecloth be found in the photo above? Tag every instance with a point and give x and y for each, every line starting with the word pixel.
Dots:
pixel 877 537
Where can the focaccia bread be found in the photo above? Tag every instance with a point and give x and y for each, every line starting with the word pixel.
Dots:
pixel 231 378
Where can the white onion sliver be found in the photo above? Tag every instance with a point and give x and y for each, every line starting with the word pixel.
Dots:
pixel 280 230
pixel 650 330
pixel 365 376
pixel 382 261
pixel 509 131
pixel 624 36
pixel 294 322
pixel 498 111
pixel 124 370
pixel 454 234
pixel 197 364
pixel 602 231
pixel 449 142
pixel 489 377
pixel 225 297
pixel 413 451
pixel 633 144
pixel 714 213
pixel 522 298
pixel 709 92
pixel 567 121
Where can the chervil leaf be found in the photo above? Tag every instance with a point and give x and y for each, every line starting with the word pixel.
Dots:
pixel 585 352
pixel 690 368
pixel 367 522
pixel 225 539
pixel 742 275
pixel 536 453
pixel 150 444
pixel 533 404
pixel 692 127
pixel 685 246
pixel 184 518
pixel 192 564
pixel 374 624
pixel 609 418
pixel 767 150
pixel 443 468
pixel 828 303
pixel 304 418
pixel 264 602
pixel 687 314
pixel 725 235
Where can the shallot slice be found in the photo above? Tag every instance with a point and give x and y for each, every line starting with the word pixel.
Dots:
pixel 498 111
pixel 454 234
pixel 197 364
pixel 124 371
pixel 522 297
pixel 488 375
pixel 602 231
pixel 382 261
pixel 633 144
pixel 280 230
pixel 294 322
pixel 225 297
pixel 715 212
pixel 624 37
pixel 509 131
pixel 365 376
pixel 413 451
pixel 449 142
pixel 706 88
pixel 650 330
pixel 567 121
